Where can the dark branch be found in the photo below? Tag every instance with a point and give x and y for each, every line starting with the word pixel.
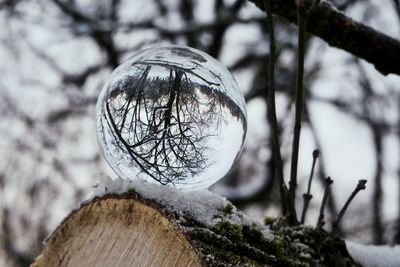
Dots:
pixel 342 32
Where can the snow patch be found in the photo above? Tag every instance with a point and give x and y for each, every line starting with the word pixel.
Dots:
pixel 203 205
pixel 374 256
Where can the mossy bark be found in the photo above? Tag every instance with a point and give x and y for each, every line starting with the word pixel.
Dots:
pixel 180 239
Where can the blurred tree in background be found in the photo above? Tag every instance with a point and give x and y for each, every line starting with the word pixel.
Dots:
pixel 57 54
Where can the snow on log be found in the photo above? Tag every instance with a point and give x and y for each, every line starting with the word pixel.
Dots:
pixel 142 224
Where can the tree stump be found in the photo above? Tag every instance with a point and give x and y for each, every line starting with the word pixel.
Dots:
pixel 131 230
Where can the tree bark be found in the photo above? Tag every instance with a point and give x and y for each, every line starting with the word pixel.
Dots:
pixel 130 230
pixel 340 31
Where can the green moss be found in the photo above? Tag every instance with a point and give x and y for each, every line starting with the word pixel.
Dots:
pixel 256 233
pixel 253 235
pixel 230 230
pixel 294 263
pixel 279 246
pixel 234 259
pixel 223 257
pixel 281 250
pixel 269 220
pixel 131 191
pixel 278 222
pixel 228 208
pixel 237 260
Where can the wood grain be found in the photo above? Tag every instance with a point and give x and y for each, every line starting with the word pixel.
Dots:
pixel 117 232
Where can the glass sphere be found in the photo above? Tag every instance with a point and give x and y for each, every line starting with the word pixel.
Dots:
pixel 171 115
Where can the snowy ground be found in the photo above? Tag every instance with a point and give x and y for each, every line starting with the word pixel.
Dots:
pixel 374 256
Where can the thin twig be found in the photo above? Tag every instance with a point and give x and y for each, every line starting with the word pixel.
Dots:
pixel 307 196
pixel 328 183
pixel 298 100
pixel 360 186
pixel 273 121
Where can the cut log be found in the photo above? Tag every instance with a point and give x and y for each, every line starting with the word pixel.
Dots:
pixel 117 232
pixel 130 229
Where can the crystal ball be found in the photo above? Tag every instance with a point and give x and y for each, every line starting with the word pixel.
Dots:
pixel 171 115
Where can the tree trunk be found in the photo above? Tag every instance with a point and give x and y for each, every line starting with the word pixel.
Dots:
pixel 130 230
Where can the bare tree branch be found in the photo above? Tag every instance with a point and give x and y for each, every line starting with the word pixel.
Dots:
pixel 342 32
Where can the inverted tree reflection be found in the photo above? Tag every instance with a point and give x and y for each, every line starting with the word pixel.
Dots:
pixel 163 123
